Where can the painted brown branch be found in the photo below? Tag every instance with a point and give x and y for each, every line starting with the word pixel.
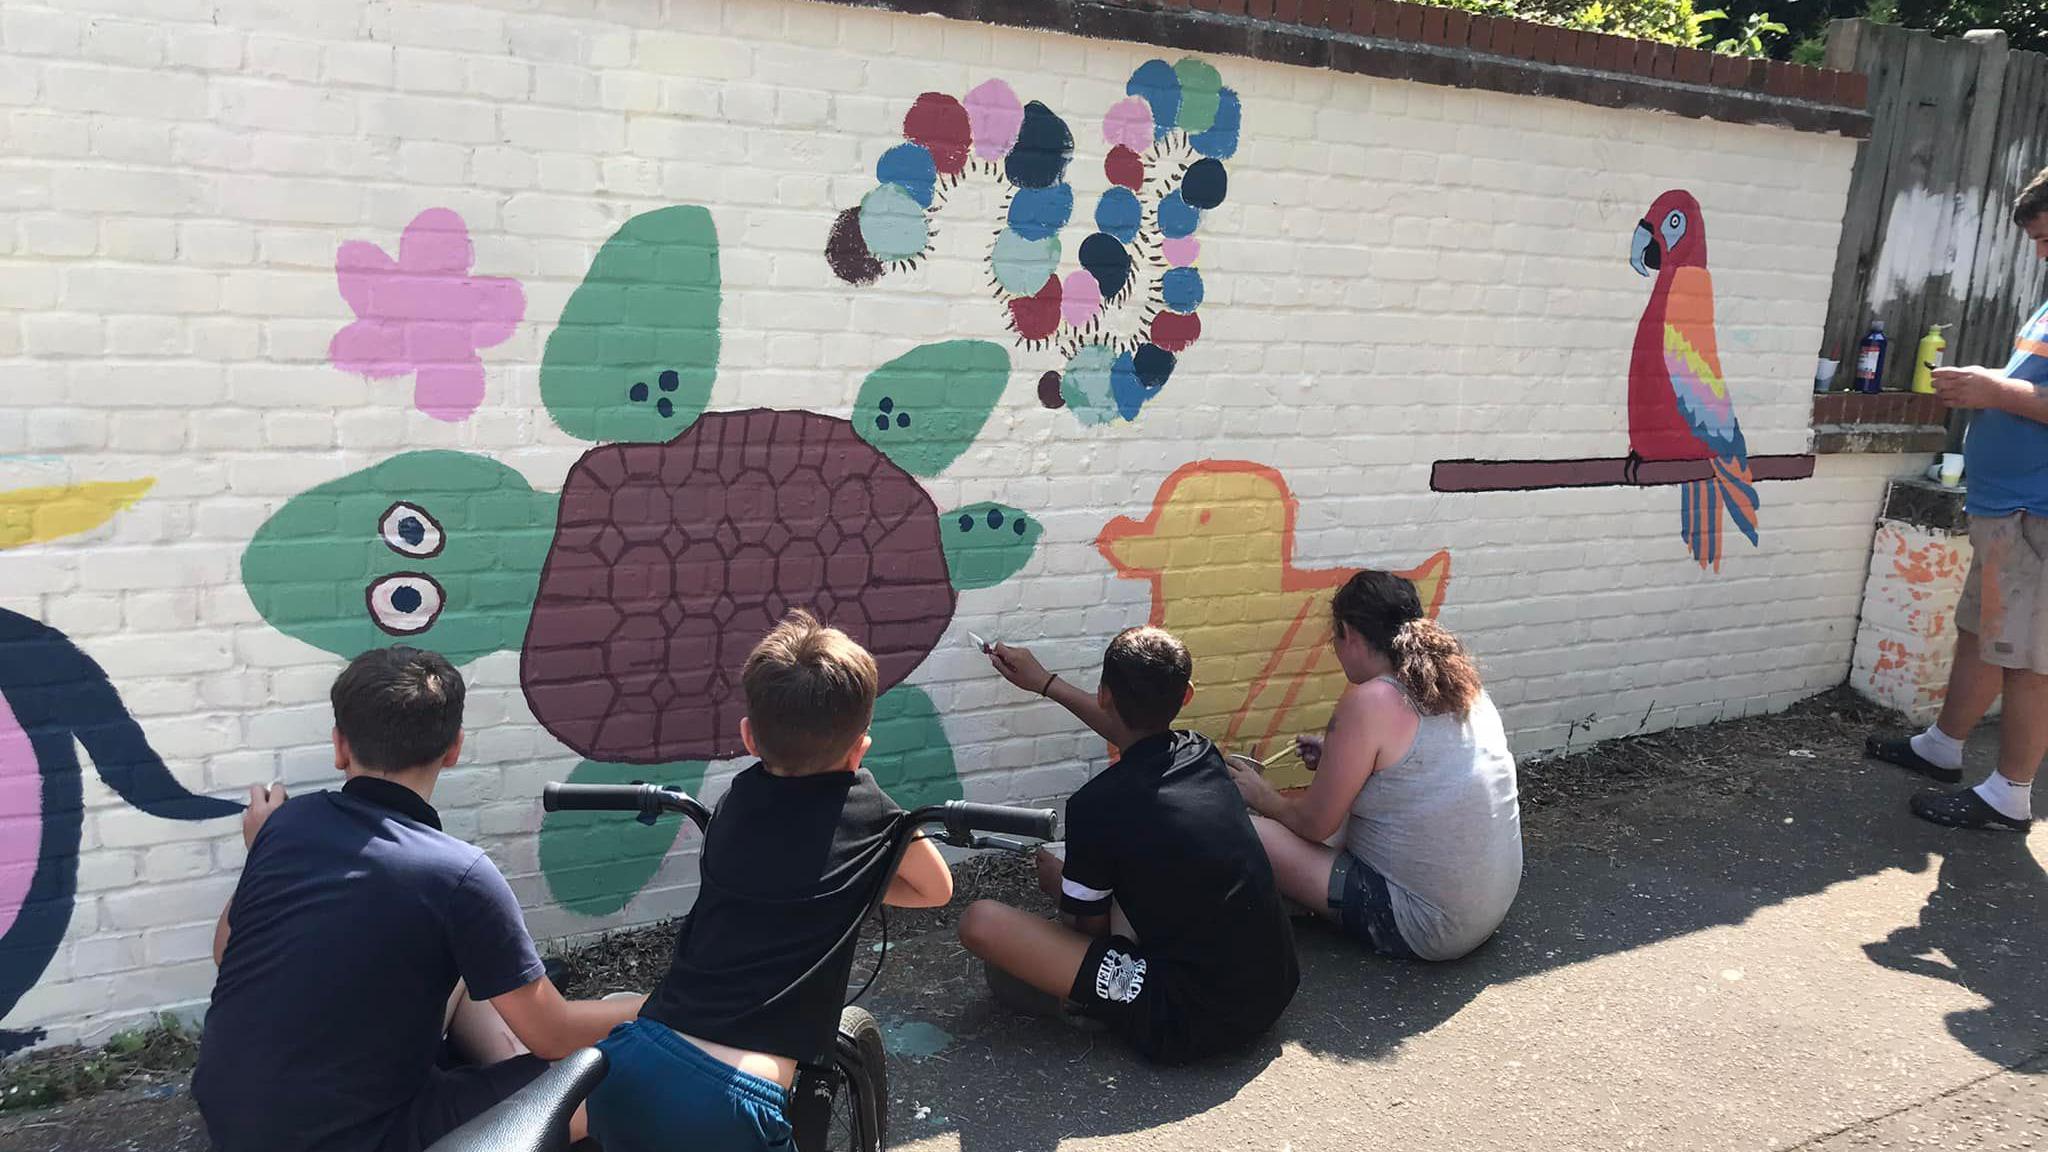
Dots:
pixel 1595 472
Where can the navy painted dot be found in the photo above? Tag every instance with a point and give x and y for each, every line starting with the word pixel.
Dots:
pixel 666 407
pixel 995 517
pixel 882 422
pixel 888 404
pixel 1044 145
pixel 1205 184
pixel 903 419
pixel 639 392
pixel 966 523
pixel 1017 525
pixel 412 531
pixel 406 599
pixel 670 381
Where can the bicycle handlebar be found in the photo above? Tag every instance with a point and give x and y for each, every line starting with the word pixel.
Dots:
pixel 964 816
pixel 594 797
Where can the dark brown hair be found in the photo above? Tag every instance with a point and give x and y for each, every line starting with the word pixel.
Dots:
pixel 398 707
pixel 810 694
pixel 1428 661
pixel 2032 200
pixel 1147 671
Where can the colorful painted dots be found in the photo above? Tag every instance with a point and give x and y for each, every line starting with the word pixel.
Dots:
pixel 664 406
pixel 888 407
pixel 995 519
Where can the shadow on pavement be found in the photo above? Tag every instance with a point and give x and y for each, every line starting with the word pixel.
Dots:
pixel 1601 878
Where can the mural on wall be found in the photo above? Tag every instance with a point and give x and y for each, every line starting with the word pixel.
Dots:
pixel 635 596
pixel 1123 317
pixel 37 515
pixel 423 314
pixel 53 698
pixel 1218 550
pixel 1681 415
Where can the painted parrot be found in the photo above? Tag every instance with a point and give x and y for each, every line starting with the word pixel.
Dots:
pixel 1678 402
pixel 53 698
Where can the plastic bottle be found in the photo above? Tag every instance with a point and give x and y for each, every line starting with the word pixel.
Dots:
pixel 1929 359
pixel 1870 359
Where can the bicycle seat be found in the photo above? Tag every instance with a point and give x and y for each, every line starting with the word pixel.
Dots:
pixel 535 1118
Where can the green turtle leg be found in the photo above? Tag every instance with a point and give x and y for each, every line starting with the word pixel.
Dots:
pixel 987 543
pixel 925 407
pixel 912 759
pixel 438 549
pixel 596 861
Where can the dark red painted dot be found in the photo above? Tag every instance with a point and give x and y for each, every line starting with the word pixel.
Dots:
pixel 1049 391
pixel 1123 167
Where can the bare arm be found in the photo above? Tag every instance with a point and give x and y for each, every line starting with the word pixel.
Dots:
pixel 1020 667
pixel 263 800
pixel 220 934
pixel 1990 388
pixel 1369 720
pixel 551 1027
pixel 922 880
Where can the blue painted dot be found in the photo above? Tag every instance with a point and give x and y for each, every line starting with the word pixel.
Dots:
pixel 882 422
pixel 1159 85
pixel 1118 213
pixel 903 419
pixel 1125 387
pixel 1017 525
pixel 1182 289
pixel 966 522
pixel 639 392
pixel 1036 213
pixel 888 404
pixel 995 517
pixel 665 407
pixel 412 531
pixel 909 167
pixel 406 599
pixel 670 381
pixel 1220 141
pixel 1177 217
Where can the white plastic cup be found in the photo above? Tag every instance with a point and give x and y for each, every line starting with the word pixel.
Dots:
pixel 1951 468
pixel 1824 375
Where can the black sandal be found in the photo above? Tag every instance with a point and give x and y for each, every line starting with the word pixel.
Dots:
pixel 1965 809
pixel 1899 750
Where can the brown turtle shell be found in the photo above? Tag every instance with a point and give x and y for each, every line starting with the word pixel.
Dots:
pixel 671 560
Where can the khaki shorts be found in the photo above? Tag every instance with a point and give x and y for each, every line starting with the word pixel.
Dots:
pixel 2005 596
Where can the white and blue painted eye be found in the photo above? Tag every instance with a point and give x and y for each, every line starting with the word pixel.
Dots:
pixel 408 530
pixel 405 603
pixel 1673 229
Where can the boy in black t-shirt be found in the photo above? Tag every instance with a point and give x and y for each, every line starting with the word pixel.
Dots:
pixel 1161 836
pixel 791 860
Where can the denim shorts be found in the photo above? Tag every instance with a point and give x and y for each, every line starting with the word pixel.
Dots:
pixel 1359 897
pixel 661 1093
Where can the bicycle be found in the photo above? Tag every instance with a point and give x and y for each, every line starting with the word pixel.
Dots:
pixel 840 1106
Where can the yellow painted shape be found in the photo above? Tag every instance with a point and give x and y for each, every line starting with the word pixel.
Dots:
pixel 38 515
pixel 1218 550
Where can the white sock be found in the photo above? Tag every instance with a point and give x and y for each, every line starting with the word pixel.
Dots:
pixel 2013 801
pixel 1938 748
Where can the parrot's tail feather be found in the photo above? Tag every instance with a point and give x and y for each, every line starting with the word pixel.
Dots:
pixel 1738 494
pixel 1701 503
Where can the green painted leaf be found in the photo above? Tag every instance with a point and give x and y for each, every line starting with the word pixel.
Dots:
pixel 987 543
pixel 634 355
pixel 597 861
pixel 438 549
pixel 1201 93
pixel 925 407
pixel 912 759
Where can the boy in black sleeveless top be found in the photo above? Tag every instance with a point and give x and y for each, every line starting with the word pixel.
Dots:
pixel 791 860
pixel 1206 960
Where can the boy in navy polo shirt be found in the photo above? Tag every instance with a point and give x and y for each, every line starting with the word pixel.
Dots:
pixel 361 934
pixel 2002 619
pixel 1203 959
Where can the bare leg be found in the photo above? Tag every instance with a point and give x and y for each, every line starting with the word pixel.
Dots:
pixel 1043 954
pixel 1050 869
pixel 2023 734
pixel 1301 867
pixel 1973 686
pixel 478 1033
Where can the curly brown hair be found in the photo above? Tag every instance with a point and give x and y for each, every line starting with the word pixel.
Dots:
pixel 1431 664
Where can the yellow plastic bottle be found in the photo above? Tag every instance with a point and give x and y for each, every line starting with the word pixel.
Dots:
pixel 1929 359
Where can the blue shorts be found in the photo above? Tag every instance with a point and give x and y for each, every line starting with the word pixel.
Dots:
pixel 1359 897
pixel 661 1093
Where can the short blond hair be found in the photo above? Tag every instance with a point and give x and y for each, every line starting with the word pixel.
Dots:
pixel 810 694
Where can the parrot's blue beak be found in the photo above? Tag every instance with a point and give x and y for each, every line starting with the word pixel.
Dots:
pixel 1642 251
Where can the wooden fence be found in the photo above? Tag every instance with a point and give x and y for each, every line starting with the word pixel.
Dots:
pixel 1958 128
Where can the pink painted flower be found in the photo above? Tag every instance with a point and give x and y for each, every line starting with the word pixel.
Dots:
pixel 424 315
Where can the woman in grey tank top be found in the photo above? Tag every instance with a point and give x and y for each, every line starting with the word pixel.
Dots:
pixel 1415 775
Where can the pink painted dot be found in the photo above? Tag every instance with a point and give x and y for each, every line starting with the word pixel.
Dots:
pixel 1129 124
pixel 1181 251
pixel 1083 299
pixel 994 114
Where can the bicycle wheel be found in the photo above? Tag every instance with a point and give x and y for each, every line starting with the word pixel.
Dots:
pixel 860 1106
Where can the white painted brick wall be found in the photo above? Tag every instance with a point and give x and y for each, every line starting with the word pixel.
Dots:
pixel 1402 274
